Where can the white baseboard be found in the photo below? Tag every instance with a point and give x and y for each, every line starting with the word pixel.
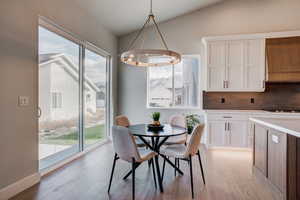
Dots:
pixel 19 186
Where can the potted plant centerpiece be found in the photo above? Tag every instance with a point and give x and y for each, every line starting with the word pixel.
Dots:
pixel 155 126
pixel 191 121
pixel 155 117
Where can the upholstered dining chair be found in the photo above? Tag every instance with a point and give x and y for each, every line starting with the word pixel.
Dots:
pixel 182 152
pixel 122 120
pixel 126 150
pixel 179 121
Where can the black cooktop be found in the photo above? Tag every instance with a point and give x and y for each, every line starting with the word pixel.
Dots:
pixel 283 110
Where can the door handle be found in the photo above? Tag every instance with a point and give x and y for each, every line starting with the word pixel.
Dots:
pixel 227 117
pixel 39 112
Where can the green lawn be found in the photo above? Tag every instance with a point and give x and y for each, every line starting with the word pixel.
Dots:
pixel 92 135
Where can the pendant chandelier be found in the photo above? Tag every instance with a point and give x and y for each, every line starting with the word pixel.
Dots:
pixel 141 57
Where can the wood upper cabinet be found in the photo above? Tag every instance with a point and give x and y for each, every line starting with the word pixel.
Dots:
pixel 260 148
pixel 235 65
pixel 283 55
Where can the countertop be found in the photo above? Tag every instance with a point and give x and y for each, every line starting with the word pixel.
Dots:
pixel 285 125
pixel 254 113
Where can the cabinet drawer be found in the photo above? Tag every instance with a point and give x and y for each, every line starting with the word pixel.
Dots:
pixel 227 117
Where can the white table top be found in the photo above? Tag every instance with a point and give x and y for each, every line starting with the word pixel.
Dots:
pixel 286 125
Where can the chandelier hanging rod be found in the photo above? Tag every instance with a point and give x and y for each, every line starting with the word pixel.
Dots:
pixel 150 17
pixel 148 57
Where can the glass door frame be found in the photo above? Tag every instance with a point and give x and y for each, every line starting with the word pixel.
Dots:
pixel 89 46
pixel 83 45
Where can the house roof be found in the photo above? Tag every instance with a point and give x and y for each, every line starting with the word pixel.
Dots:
pixel 68 64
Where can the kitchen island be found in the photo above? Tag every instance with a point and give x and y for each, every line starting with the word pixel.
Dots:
pixel 276 155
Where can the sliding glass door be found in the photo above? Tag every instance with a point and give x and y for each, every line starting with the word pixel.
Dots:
pixel 95 87
pixel 72 97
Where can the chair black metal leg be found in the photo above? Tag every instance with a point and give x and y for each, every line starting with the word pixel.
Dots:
pixel 201 167
pixel 112 171
pixel 153 172
pixel 133 178
pixel 175 171
pixel 191 175
pixel 128 174
pixel 163 170
pixel 149 163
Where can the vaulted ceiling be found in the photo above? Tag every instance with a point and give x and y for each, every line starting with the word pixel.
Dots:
pixel 124 16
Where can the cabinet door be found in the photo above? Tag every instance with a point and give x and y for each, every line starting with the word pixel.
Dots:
pixel 254 64
pixel 216 65
pixel 238 132
pixel 277 150
pixel 217 133
pixel 260 148
pixel 235 59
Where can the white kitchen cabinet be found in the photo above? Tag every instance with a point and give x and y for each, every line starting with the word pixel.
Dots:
pixel 254 65
pixel 234 70
pixel 235 64
pixel 217 133
pixel 216 65
pixel 238 133
pixel 227 130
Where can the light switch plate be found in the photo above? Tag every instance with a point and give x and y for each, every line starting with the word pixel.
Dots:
pixel 23 101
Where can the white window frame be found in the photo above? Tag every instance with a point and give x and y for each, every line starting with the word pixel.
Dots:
pixel 173 98
pixel 56 100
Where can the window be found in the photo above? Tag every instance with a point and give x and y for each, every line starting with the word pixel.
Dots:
pixel 56 100
pixel 178 86
pixel 74 88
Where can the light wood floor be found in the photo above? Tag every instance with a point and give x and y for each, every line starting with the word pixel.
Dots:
pixel 228 174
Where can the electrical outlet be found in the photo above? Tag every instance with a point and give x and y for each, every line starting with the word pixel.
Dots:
pixel 23 101
pixel 222 100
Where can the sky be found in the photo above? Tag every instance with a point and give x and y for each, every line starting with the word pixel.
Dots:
pixel 95 65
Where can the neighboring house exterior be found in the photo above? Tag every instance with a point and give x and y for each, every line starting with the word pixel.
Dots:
pixel 59 89
pixel 186 87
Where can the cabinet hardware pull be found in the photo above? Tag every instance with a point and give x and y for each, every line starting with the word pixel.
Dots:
pixel 224 84
pixel 225 126
pixel 275 139
pixel 263 83
pixel 227 117
pixel 228 127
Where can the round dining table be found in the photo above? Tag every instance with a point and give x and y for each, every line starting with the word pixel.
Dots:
pixel 154 141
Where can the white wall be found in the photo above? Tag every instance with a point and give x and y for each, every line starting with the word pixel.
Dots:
pixel 184 34
pixel 19 75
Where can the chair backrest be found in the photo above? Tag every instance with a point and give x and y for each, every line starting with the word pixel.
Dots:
pixel 177 120
pixel 195 139
pixel 124 144
pixel 122 120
